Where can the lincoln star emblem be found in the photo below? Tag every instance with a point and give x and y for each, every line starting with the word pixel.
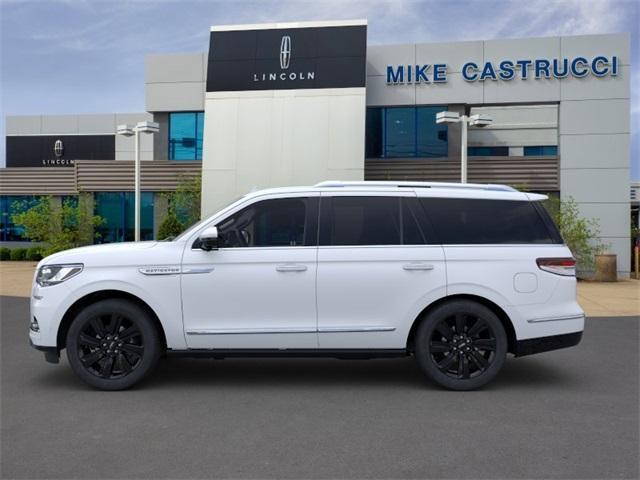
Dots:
pixel 285 52
pixel 58 148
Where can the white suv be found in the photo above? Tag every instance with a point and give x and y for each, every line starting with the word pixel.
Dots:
pixel 455 275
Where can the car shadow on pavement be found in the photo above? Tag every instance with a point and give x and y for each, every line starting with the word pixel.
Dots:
pixel 257 373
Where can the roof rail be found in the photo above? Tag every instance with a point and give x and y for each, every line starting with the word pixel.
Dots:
pixel 465 186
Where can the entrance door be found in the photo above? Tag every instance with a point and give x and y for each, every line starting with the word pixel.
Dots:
pixel 257 291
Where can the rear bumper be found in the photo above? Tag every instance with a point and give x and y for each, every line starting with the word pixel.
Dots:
pixel 545 344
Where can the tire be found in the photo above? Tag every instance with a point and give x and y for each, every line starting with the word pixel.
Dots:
pixel 461 345
pixel 113 344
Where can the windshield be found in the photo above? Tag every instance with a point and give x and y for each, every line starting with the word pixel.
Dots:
pixel 197 225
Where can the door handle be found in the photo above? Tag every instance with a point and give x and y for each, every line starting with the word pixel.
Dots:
pixel 417 266
pixel 291 268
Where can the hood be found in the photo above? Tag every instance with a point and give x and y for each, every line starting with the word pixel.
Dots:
pixel 107 253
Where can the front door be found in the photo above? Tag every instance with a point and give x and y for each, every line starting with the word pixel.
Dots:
pixel 258 290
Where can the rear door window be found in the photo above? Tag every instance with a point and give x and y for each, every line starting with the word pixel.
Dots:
pixel 459 221
pixel 360 221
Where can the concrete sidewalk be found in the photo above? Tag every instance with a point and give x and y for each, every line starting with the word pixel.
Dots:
pixel 597 299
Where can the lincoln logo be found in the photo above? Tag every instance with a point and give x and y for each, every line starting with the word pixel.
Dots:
pixel 285 59
pixel 285 52
pixel 58 148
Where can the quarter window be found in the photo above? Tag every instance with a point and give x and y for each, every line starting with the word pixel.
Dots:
pixel 475 221
pixel 271 223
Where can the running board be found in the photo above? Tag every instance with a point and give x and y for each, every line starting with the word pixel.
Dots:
pixel 351 353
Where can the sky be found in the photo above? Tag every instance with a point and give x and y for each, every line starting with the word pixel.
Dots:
pixel 87 56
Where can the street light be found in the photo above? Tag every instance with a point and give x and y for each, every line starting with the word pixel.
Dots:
pixel 477 120
pixel 127 131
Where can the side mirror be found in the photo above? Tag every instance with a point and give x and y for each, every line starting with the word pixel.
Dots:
pixel 209 239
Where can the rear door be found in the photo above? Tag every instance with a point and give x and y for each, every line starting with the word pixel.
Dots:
pixel 375 269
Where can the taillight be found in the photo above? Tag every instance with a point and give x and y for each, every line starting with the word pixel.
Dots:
pixel 559 266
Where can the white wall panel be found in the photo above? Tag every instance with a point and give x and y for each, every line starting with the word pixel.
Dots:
pixel 522 91
pixel 96 124
pixel 595 151
pixel 172 68
pixel 58 124
pixel 594 116
pixel 593 45
pixel 613 218
pixel 602 185
pixel 513 137
pixel 280 138
pixel 23 125
pixel 174 97
pixel 454 90
pixel 454 54
pixel 592 87
pixel 379 93
pixel 379 56
pixel 521 49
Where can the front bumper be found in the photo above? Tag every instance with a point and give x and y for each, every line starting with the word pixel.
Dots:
pixel 51 354
pixel 545 344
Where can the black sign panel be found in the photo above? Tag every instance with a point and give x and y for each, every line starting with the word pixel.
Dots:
pixel 58 150
pixel 283 59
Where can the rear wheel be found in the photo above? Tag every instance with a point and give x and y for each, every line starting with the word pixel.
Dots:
pixel 112 344
pixel 461 345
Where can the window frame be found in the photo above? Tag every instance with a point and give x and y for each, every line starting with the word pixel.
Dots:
pixel 197 115
pixel 418 120
pixel 312 205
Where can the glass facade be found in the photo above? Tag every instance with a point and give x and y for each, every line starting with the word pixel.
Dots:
pixel 488 151
pixel 117 209
pixel 185 135
pixel 405 132
pixel 541 151
pixel 9 206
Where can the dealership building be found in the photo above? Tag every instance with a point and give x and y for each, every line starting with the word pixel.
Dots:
pixel 299 103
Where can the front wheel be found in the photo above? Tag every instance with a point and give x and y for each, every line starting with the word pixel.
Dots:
pixel 112 344
pixel 461 345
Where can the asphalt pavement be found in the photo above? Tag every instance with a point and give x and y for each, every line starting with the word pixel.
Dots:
pixel 567 414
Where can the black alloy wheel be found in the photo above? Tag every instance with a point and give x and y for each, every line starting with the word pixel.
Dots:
pixel 112 344
pixel 461 345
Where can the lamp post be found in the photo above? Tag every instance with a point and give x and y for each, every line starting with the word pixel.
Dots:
pixel 478 120
pixel 127 131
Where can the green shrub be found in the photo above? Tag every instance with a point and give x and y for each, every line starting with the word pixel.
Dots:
pixel 60 227
pixel 18 253
pixel 5 253
pixel 580 234
pixel 34 254
pixel 170 227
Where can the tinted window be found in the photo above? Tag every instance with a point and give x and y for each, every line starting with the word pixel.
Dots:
pixel 411 232
pixel 361 221
pixel 541 151
pixel 270 223
pixel 488 151
pixel 475 221
pixel 185 135
pixel 405 132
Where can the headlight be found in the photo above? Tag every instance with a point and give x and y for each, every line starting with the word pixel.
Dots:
pixel 53 274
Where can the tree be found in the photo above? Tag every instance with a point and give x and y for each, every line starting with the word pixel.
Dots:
pixel 170 227
pixel 185 201
pixel 581 235
pixel 68 225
